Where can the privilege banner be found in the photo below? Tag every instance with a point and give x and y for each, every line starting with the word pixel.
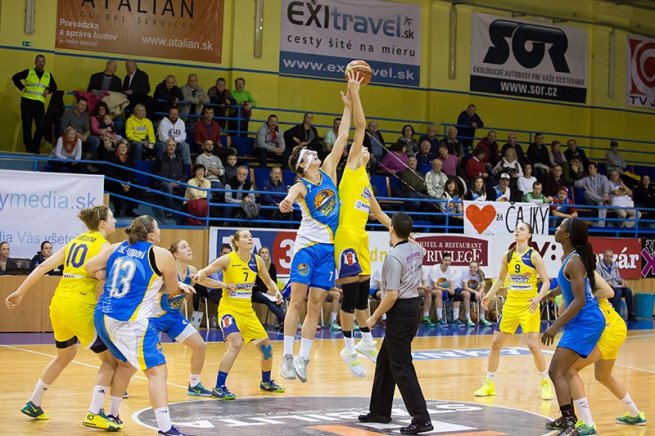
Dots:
pixel 319 38
pixel 37 207
pixel 189 30
pixel 640 55
pixel 528 59
pixel 501 218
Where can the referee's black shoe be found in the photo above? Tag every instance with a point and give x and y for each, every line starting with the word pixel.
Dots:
pixel 415 428
pixel 369 417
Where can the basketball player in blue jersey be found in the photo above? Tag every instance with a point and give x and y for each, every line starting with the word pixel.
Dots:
pixel 582 319
pixel 136 272
pixel 312 266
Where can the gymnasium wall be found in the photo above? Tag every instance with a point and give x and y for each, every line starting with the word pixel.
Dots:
pixel 438 98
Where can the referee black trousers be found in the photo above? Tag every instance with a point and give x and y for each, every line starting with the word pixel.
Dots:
pixel 394 364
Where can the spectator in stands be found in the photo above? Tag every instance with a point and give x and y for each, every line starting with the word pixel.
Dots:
pixel 476 166
pixel 170 166
pixel 412 185
pixel 109 138
pixel 561 207
pixel 509 164
pixel 609 270
pixel 556 156
pixel 442 277
pixel 431 136
pixel 454 144
pixel 490 147
pixel 246 102
pixel 622 202
pixel 196 200
pixel 330 138
pixel 502 191
pixel 536 196
pixel 34 84
pixel 230 166
pixel 614 160
pixel 539 158
pixel 644 196
pixel 270 143
pixel 478 191
pixel 304 134
pixel 106 80
pixel 511 143
pixel 69 147
pixel 425 157
pixel 95 120
pixel 195 97
pixel 212 164
pixel 136 84
pixel 207 128
pixel 41 256
pixel 78 118
pixel 121 170
pixel 452 206
pixel 435 180
pixel 573 151
pixel 374 141
pixel 576 170
pixel 526 181
pixel 140 133
pixel 554 181
pixel 407 138
pixel 396 159
pixel 167 94
pixel 5 251
pixel 260 290
pixel 467 122
pixel 220 96
pixel 274 184
pixel 596 191
pixel 471 289
pixel 172 127
pixel 240 193
pixel 449 161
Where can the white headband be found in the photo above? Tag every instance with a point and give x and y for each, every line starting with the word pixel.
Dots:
pixel 301 156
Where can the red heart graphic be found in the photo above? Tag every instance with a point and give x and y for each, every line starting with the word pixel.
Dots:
pixel 480 218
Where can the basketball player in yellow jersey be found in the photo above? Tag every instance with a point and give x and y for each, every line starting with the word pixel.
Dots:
pixel 236 315
pixel 351 251
pixel 519 269
pixel 71 313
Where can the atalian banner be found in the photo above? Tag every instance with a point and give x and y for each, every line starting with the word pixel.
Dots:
pixel 528 59
pixel 189 30
pixel 37 207
pixel 501 218
pixel 640 71
pixel 319 38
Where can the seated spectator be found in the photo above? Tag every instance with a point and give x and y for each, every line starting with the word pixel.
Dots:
pixel 41 256
pixel 96 119
pixel 556 156
pixel 490 147
pixel 167 94
pixel 596 191
pixel 304 134
pixel 644 196
pixel 478 191
pixel 501 192
pixel 108 137
pixel 430 136
pixel 554 181
pixel 476 166
pixel 374 141
pixel 435 180
pixel 5 251
pixel 274 184
pixel 452 206
pixel 412 185
pixel 443 278
pixel 525 182
pixel 140 133
pixel 212 164
pixel 172 127
pixel 576 170
pixel 425 157
pixel 195 98
pixel 449 161
pixel 536 196
pixel 454 145
pixel 246 102
pixel 78 118
pixel 471 289
pixel 240 194
pixel 572 151
pixel 208 128
pixel 196 200
pixel 396 159
pixel 106 80
pixel 260 290
pixel 408 140
pixel 561 207
pixel 614 160
pixel 220 96
pixel 539 158
pixel 511 143
pixel 508 164
pixel 230 166
pixel 170 166
pixel 270 144
pixel 609 270
pixel 69 147
pixel 121 170
pixel 621 200
pixel 136 84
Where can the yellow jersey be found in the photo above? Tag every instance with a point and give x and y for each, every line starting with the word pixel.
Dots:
pixel 76 283
pixel 355 194
pixel 522 276
pixel 242 275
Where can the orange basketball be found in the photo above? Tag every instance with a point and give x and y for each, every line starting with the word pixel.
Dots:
pixel 361 67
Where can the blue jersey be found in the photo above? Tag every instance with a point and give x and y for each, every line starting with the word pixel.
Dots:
pixel 567 291
pixel 320 213
pixel 131 291
pixel 172 303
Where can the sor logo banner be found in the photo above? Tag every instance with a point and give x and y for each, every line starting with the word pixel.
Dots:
pixel 640 55
pixel 528 59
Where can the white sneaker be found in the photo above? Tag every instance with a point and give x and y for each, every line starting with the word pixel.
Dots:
pixel 354 365
pixel 300 366
pixel 286 367
pixel 367 350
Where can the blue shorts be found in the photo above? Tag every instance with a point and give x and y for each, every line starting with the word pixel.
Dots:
pixel 314 266
pixel 174 324
pixel 458 295
pixel 447 296
pixel 582 333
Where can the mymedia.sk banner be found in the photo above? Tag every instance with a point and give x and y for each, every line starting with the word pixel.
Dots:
pixel 37 207
pixel 501 218
pixel 640 73
pixel 189 30
pixel 528 59
pixel 319 38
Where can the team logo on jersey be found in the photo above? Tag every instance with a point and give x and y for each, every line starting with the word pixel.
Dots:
pixel 443 282
pixel 325 201
pixel 520 278
pixel 367 193
pixel 473 284
pixel 303 269
pixel 360 205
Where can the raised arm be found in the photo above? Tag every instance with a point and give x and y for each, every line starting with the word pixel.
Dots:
pixel 297 190
pixel 354 156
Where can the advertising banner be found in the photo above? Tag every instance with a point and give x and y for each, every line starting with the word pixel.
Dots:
pixel 189 30
pixel 501 218
pixel 648 258
pixel 37 207
pixel 640 74
pixel 627 254
pixel 528 59
pixel 319 38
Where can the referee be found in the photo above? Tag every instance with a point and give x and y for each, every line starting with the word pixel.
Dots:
pixel 401 275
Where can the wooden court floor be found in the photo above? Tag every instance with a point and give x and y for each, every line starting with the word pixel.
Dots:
pixel 452 379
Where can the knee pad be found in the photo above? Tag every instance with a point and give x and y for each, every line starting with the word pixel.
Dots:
pixel 98 346
pixel 65 344
pixel 362 296
pixel 350 296
pixel 267 351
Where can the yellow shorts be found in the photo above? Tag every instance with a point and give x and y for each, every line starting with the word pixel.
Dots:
pixel 71 318
pixel 516 312
pixel 240 318
pixel 614 334
pixel 351 252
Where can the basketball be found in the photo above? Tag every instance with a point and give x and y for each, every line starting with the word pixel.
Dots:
pixel 361 67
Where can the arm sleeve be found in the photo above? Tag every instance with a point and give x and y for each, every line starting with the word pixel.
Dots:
pixel 393 271
pixel 162 129
pixel 78 149
pixel 129 130
pixel 151 132
pixel 18 77
pixel 261 139
pixel 228 196
pixel 58 148
pixel 479 121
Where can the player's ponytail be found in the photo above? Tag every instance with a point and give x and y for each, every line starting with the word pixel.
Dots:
pixel 578 235
pixel 91 216
pixel 139 229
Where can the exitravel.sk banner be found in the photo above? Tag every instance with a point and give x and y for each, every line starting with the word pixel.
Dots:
pixel 528 59
pixel 189 30
pixel 320 37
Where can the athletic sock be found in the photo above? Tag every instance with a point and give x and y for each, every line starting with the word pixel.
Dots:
pixel 194 380
pixel 115 405
pixel 491 375
pixel 349 342
pixel 426 313
pixel 98 398
pixel 567 411
pixel 288 344
pixel 266 376
pixel 630 405
pixel 439 313
pixel 584 411
pixel 220 379
pixel 39 390
pixel 163 419
pixel 468 316
pixel 305 347
pixel 333 317
pixel 367 336
pixel 455 314
pixel 544 375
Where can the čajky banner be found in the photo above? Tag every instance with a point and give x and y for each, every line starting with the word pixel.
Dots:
pixel 501 218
